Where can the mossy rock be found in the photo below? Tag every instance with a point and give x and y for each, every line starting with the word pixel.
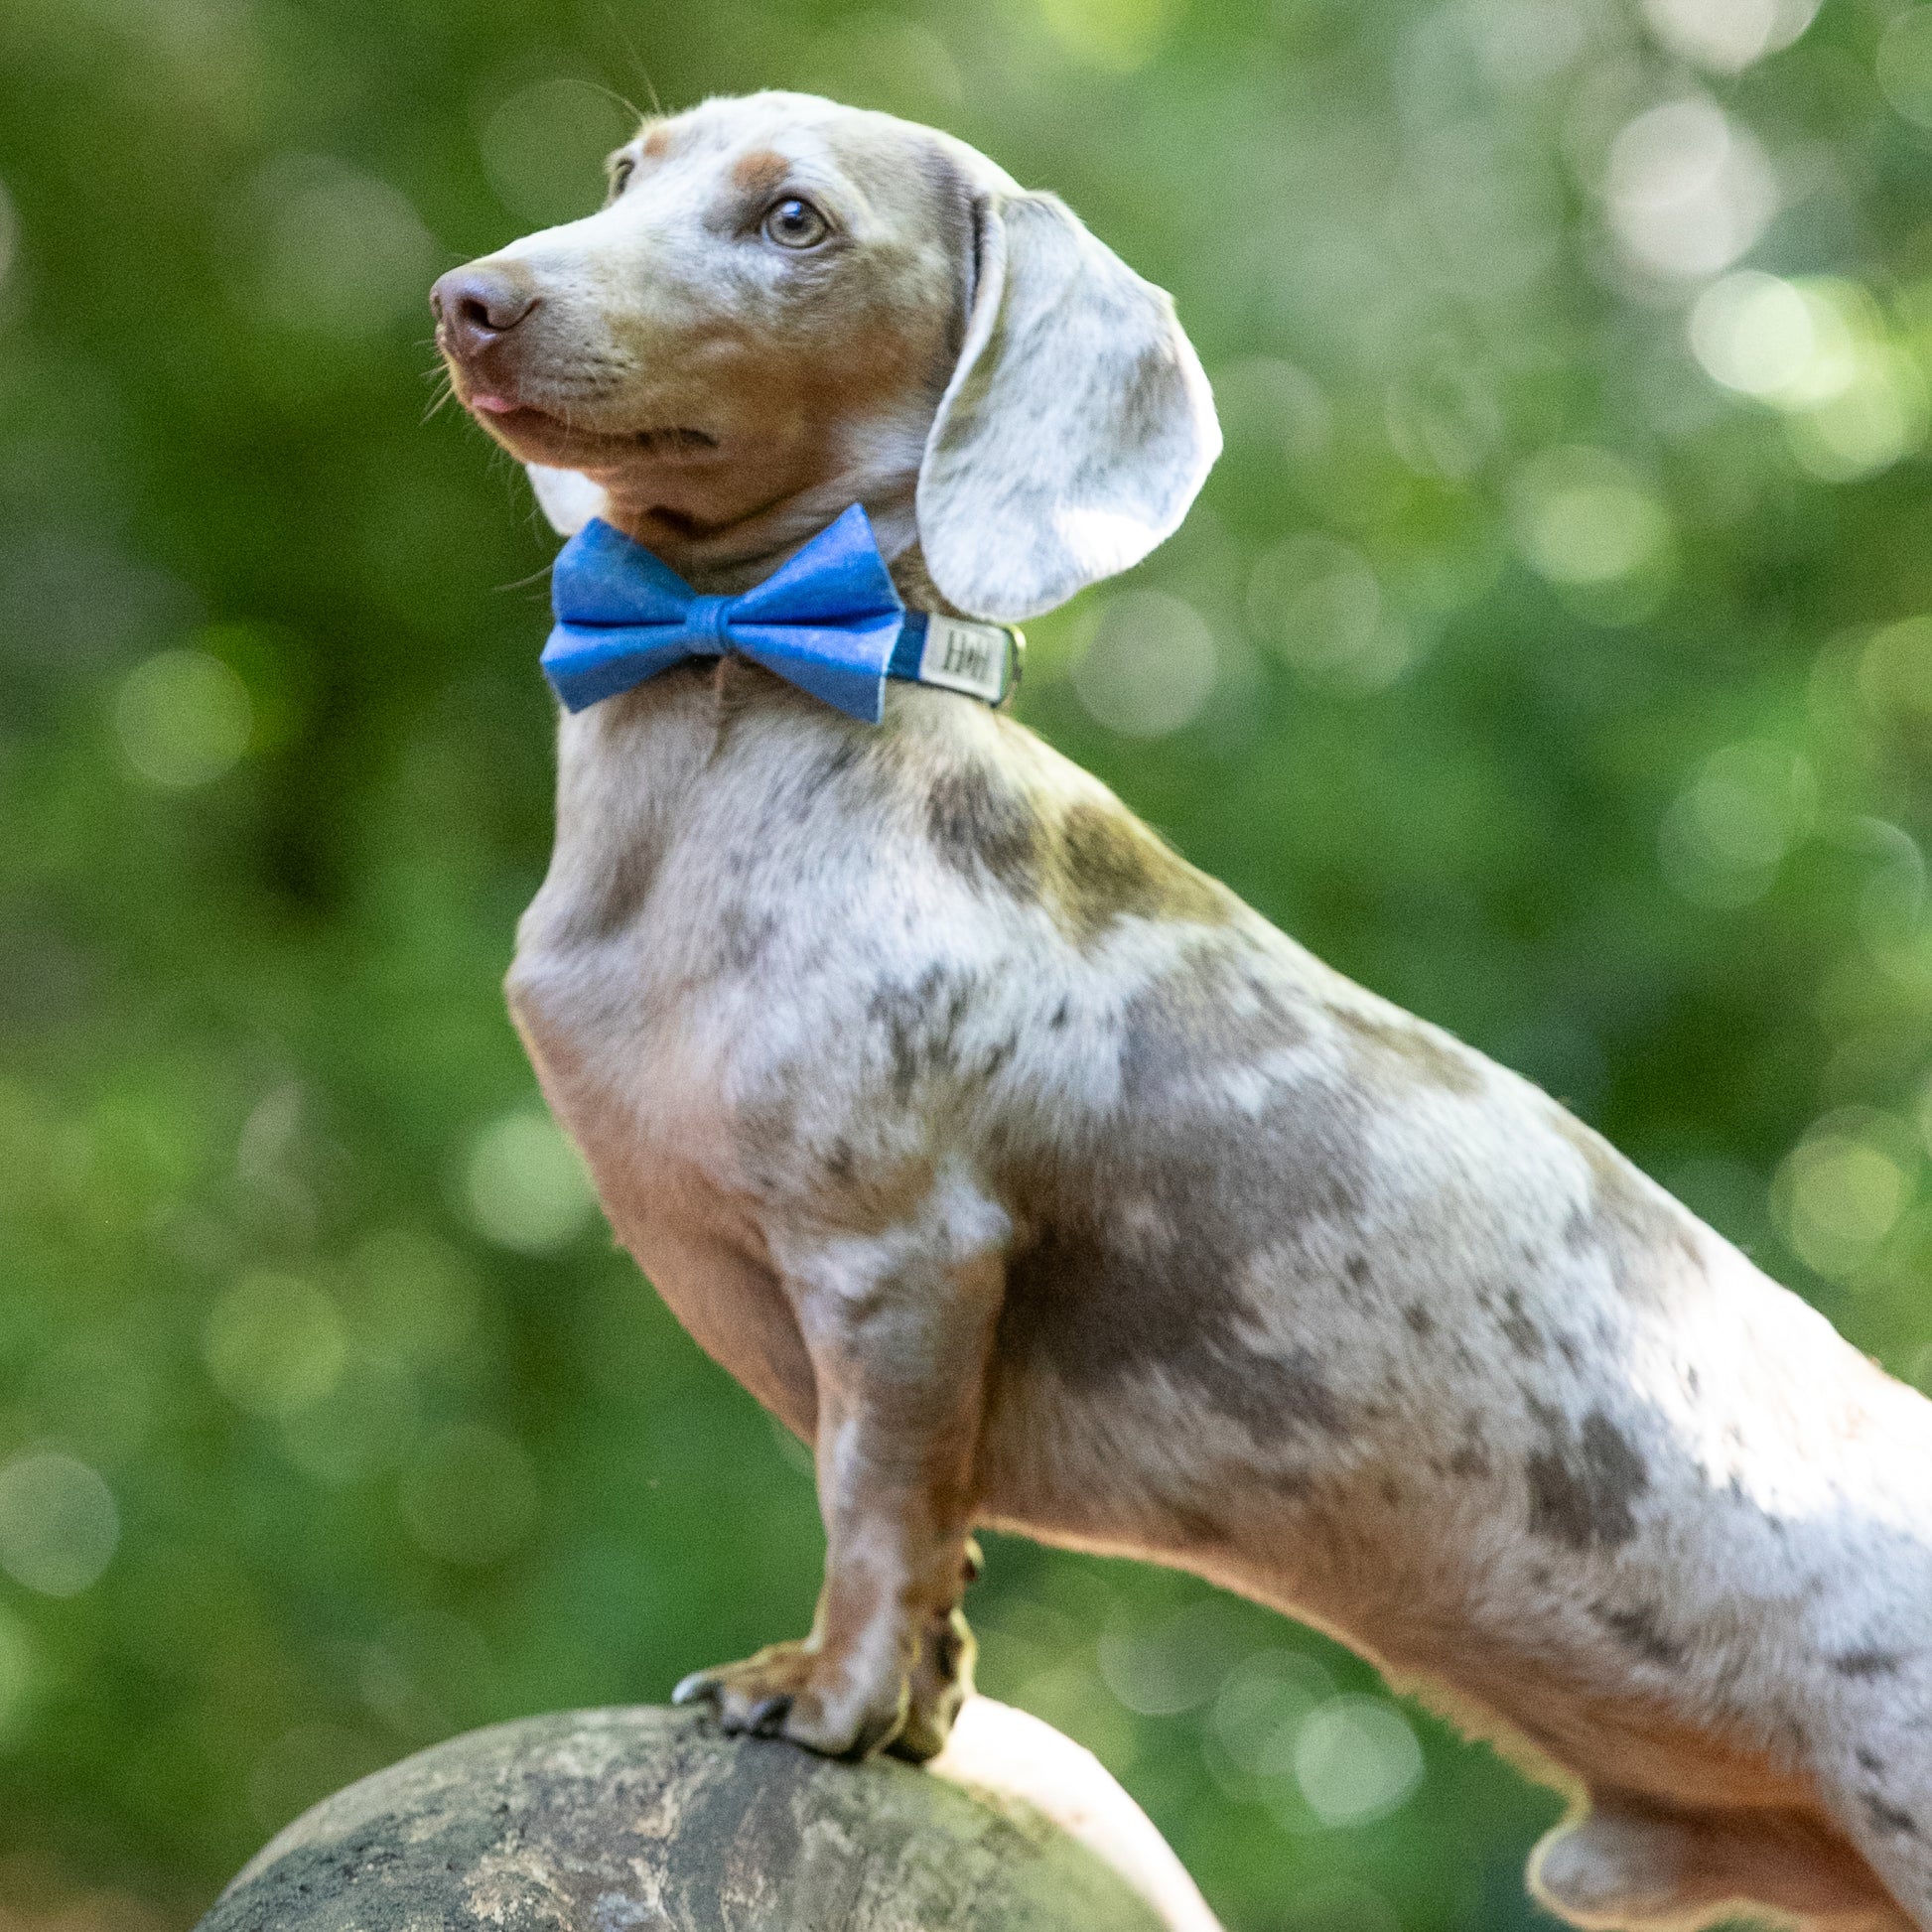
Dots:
pixel 605 1820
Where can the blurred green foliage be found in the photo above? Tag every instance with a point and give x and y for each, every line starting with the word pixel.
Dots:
pixel 1552 650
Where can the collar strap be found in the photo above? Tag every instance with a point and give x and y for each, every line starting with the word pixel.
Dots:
pixel 984 660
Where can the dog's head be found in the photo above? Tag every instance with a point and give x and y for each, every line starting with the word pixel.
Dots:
pixel 786 306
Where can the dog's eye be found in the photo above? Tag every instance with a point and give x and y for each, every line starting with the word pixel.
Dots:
pixel 793 223
pixel 621 172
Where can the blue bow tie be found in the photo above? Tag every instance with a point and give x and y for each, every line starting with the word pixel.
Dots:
pixel 830 621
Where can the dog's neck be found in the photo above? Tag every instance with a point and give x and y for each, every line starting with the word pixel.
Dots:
pixel 878 468
pixel 722 563
pixel 631 767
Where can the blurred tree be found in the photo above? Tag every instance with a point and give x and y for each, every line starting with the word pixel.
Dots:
pixel 1552 650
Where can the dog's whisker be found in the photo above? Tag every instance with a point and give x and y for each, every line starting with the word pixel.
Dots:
pixel 610 94
pixel 637 60
pixel 523 583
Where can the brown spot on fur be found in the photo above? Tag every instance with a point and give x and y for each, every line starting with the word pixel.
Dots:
pixel 1138 1246
pixel 657 143
pixel 921 1025
pixel 625 884
pixel 1395 1043
pixel 863 1195
pixel 1111 1303
pixel 840 758
pixel 1630 1218
pixel 1105 865
pixel 1182 1033
pixel 1296 1377
pixel 760 171
pixel 743 937
pixel 1868 1663
pixel 983 828
pixel 1638 1629
pixel 1582 1487
pixel 1470 1461
pixel 1888 1818
pixel 1519 1331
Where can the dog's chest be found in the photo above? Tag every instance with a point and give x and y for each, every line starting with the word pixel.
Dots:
pixel 724 982
pixel 615 990
pixel 648 1118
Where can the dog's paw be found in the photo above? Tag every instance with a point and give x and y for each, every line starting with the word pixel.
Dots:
pixel 789 1691
pixel 942 1681
pixel 892 1691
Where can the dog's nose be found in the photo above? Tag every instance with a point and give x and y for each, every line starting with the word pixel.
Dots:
pixel 479 305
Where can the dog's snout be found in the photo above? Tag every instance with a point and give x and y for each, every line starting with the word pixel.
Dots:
pixel 478 306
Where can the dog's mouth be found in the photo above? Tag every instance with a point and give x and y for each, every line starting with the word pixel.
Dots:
pixel 675 440
pixel 512 415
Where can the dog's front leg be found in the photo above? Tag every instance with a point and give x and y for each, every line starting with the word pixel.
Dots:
pixel 898 1326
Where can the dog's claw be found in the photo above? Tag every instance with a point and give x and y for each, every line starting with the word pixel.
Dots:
pixel 700 1685
pixel 767 1717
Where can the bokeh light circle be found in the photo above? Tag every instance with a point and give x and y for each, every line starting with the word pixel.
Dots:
pixel 183 719
pixel 525 1184
pixel 1150 667
pixel 58 1523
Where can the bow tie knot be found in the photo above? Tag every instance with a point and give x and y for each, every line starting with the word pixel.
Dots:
pixel 705 617
pixel 829 620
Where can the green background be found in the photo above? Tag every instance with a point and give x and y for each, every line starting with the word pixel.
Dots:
pixel 1549 652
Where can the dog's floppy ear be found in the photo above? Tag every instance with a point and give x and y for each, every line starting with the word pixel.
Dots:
pixel 1076 428
pixel 566 497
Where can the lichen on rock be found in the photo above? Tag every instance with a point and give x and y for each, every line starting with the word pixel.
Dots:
pixel 605 1820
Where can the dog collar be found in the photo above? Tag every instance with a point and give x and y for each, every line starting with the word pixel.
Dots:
pixel 829 620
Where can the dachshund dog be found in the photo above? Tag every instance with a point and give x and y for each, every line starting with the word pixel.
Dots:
pixel 1040 1183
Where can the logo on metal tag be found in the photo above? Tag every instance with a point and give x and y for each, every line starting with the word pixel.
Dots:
pixel 963 656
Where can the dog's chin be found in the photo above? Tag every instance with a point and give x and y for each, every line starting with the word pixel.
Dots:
pixel 564 440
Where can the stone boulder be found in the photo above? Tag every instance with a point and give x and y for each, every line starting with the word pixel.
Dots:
pixel 605 1820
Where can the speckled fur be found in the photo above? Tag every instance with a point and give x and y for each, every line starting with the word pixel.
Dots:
pixel 1042 1183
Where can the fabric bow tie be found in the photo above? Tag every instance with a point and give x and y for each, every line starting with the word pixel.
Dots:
pixel 830 620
